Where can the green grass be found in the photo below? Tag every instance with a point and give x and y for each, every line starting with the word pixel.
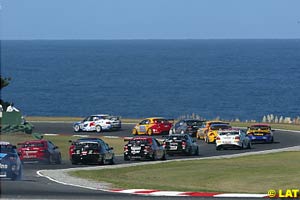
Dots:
pixel 251 174
pixel 62 141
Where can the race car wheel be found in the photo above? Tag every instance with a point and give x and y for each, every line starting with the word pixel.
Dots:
pixel 206 140
pixel 197 152
pixel 58 160
pixel 17 177
pixel 249 146
pixel 134 132
pixel 190 152
pixel 76 128
pixel 154 157
pixel 112 161
pixel 74 162
pixel 149 131
pixel 126 158
pixel 98 129
pixel 163 157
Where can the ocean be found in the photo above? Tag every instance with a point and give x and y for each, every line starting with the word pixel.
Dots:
pixel 244 79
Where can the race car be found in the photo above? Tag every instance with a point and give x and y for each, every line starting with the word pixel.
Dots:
pixel 231 138
pixel 10 163
pixel 261 132
pixel 143 147
pixel 181 144
pixel 152 126
pixel 39 151
pixel 212 132
pixel 202 130
pixel 98 123
pixel 189 126
pixel 91 151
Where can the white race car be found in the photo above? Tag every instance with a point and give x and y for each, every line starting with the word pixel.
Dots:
pixel 230 138
pixel 98 123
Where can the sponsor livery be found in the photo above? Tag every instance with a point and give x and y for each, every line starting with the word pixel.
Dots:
pixel 260 132
pixel 98 123
pixel 152 126
pixel 91 150
pixel 10 163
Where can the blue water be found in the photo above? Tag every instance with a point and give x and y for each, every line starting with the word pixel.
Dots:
pixel 243 79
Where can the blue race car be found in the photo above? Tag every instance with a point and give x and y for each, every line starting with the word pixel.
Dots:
pixel 261 132
pixel 10 163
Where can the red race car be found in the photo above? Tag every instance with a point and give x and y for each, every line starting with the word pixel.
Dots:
pixel 39 151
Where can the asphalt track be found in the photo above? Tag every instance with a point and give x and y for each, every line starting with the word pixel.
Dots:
pixel 35 187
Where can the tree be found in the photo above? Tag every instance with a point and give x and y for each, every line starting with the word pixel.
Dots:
pixel 4 82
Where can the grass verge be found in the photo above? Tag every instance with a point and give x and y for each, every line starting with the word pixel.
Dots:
pixel 251 174
pixel 62 141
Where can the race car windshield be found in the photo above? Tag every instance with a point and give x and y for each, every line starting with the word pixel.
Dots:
pixel 159 121
pixel 229 133
pixel 259 128
pixel 138 142
pixel 177 138
pixel 194 123
pixel 87 145
pixel 219 127
pixel 6 149
pixel 35 144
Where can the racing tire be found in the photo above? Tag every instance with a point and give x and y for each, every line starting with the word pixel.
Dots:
pixel 134 131
pixel 206 140
pixel 154 157
pixel 49 160
pixel 126 158
pixel 242 147
pixel 73 162
pixel 98 129
pixel 149 131
pixel 197 152
pixel 17 177
pixel 249 146
pixel 58 160
pixel 272 140
pixel 112 161
pixel 102 161
pixel 164 157
pixel 76 128
pixel 190 152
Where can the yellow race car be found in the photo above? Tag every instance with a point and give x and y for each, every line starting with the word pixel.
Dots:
pixel 202 131
pixel 152 126
pixel 212 132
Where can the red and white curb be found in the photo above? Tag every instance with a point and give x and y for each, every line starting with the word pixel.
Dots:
pixel 192 194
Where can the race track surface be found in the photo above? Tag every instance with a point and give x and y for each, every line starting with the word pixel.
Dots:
pixel 34 187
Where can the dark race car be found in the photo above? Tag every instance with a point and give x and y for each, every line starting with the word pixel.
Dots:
pixel 10 163
pixel 189 126
pixel 181 144
pixel 144 148
pixel 39 151
pixel 91 151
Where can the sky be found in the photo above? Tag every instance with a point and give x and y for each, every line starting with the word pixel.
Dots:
pixel 149 19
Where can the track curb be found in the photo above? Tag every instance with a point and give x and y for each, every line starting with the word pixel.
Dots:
pixel 61 176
